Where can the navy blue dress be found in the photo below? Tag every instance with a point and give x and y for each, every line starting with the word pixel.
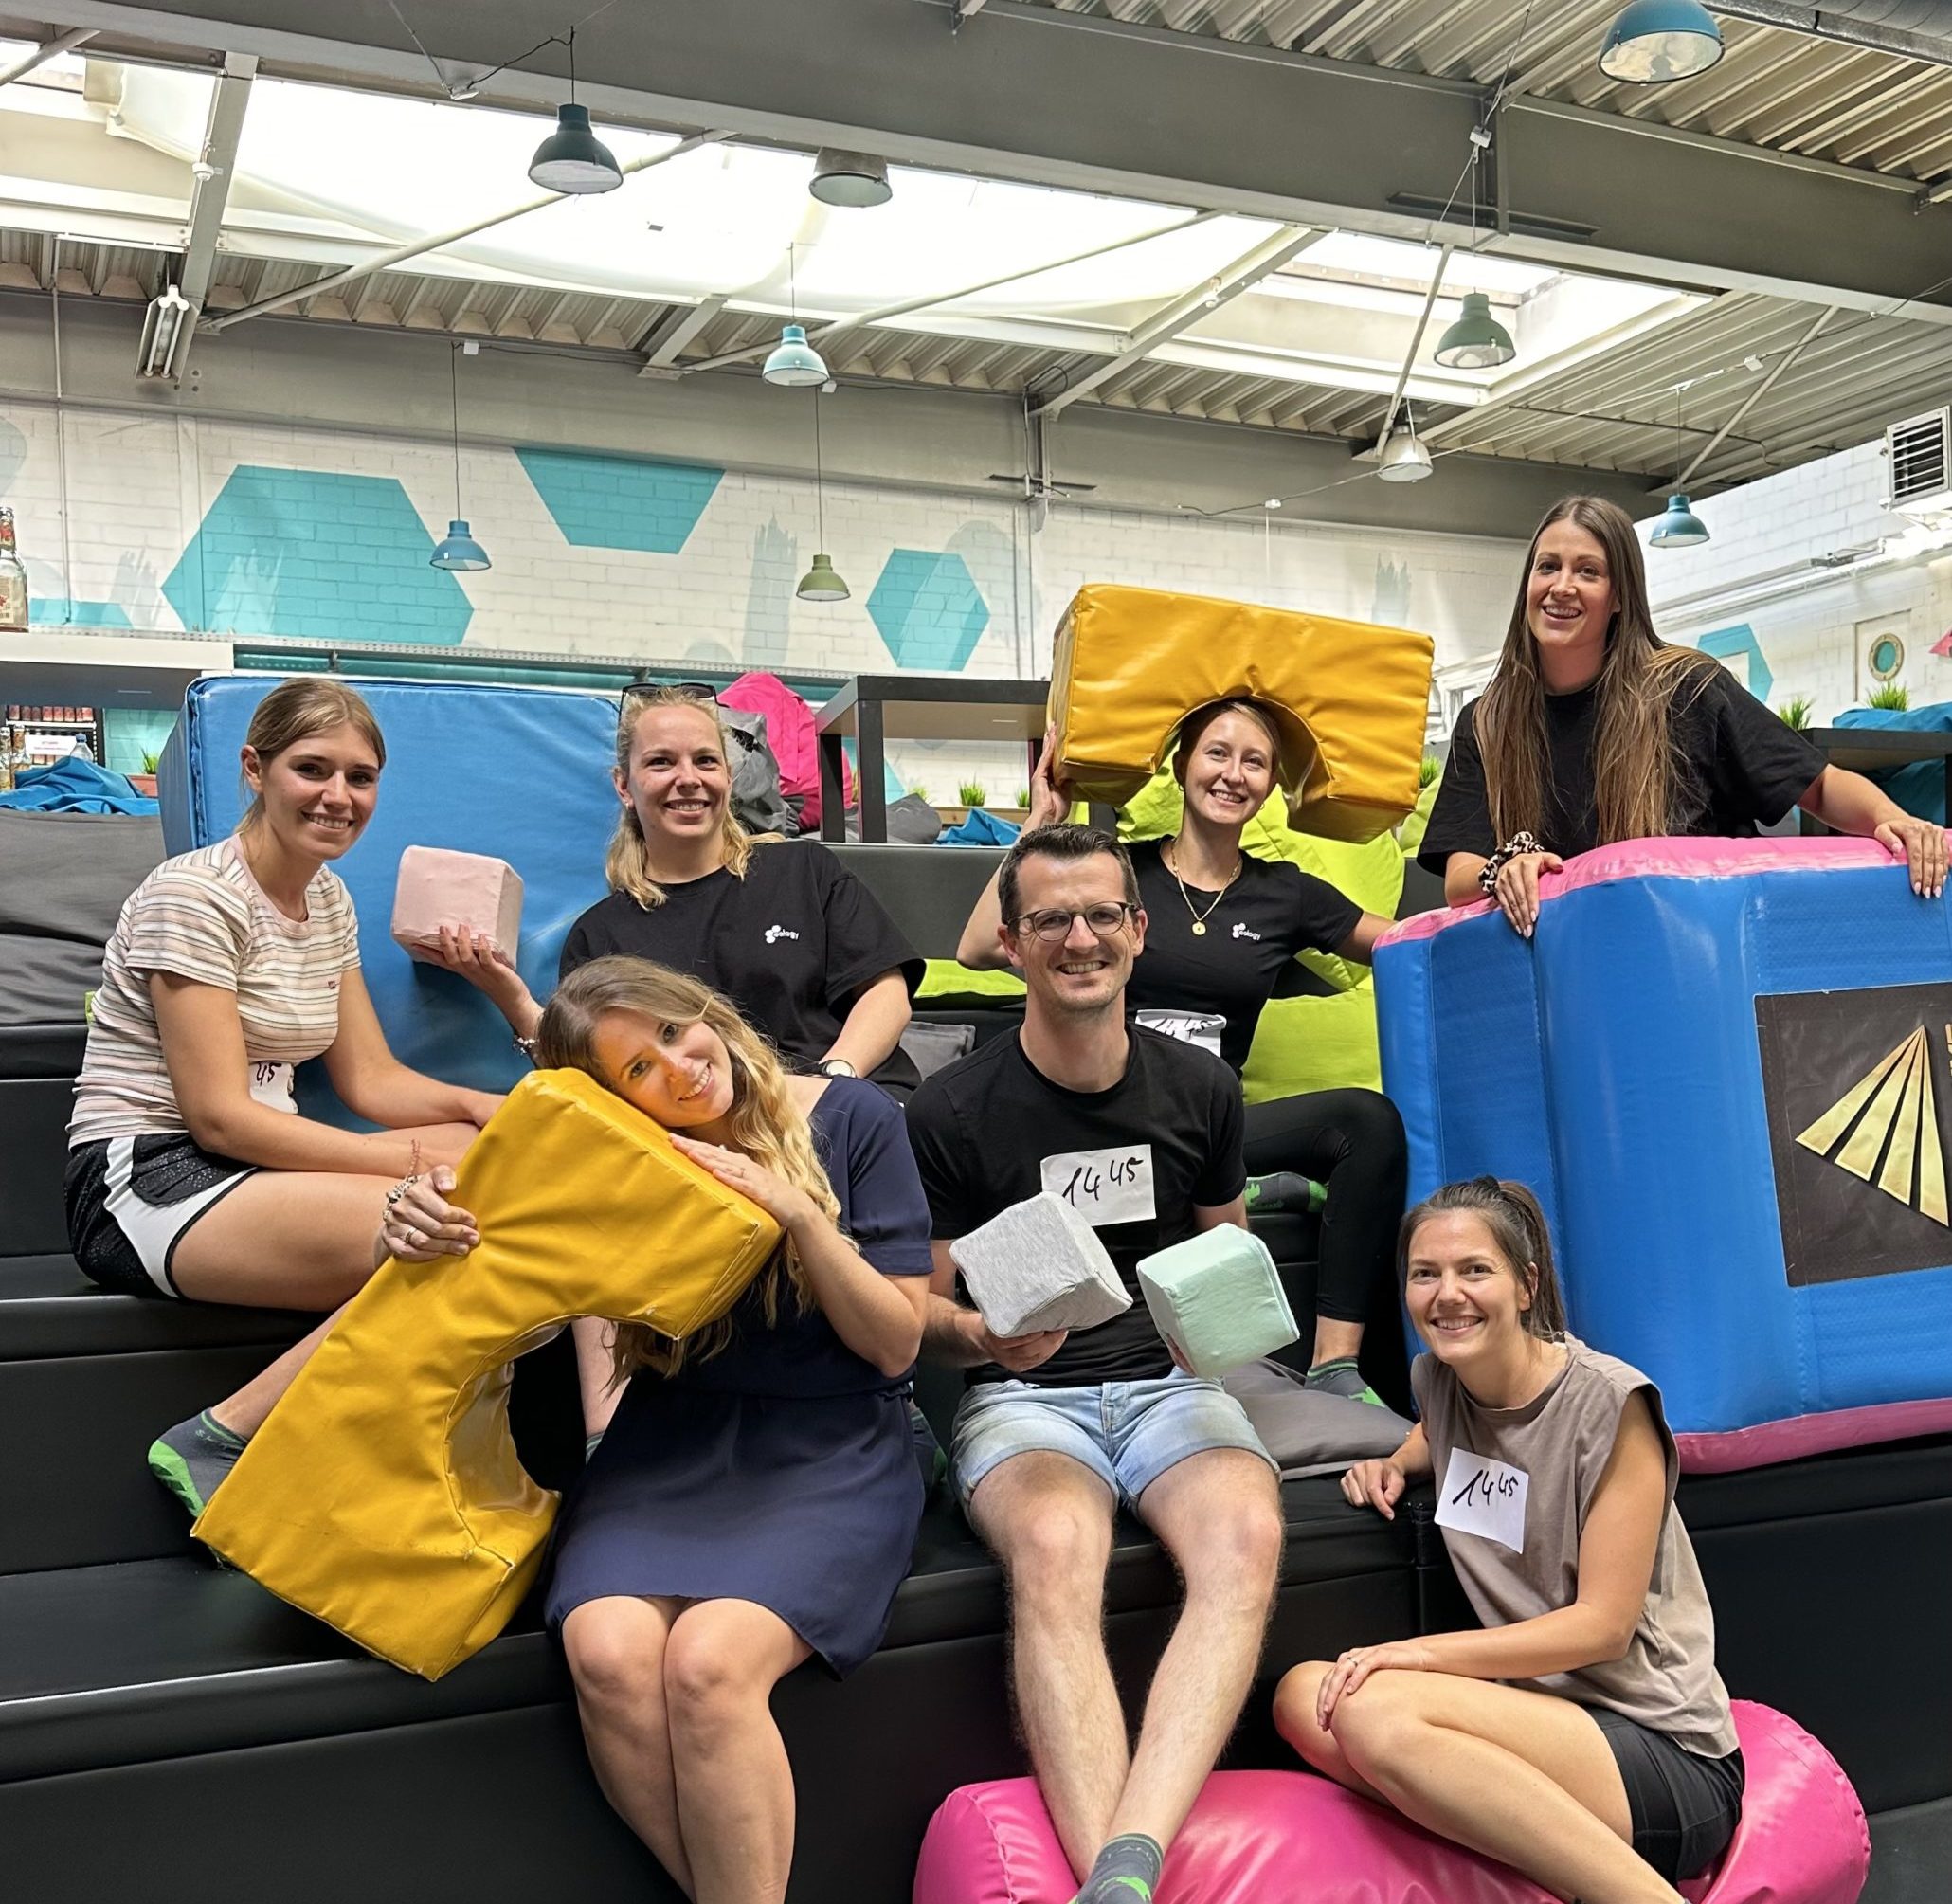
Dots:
pixel 781 1470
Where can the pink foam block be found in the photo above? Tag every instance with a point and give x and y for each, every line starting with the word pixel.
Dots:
pixel 439 888
pixel 1258 1835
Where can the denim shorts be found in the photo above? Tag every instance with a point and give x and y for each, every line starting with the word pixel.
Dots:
pixel 1127 1433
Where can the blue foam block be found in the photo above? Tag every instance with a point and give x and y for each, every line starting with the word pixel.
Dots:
pixel 1654 1064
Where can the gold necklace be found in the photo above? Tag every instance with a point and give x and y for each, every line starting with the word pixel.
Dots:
pixel 1201 918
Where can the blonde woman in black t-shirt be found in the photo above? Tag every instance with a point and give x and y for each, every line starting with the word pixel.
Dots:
pixel 1223 928
pixel 1593 730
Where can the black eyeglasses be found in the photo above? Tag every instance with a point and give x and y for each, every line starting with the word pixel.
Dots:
pixel 1053 923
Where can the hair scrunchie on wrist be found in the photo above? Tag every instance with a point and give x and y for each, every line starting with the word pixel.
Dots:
pixel 1516 847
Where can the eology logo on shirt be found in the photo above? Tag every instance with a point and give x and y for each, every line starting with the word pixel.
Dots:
pixel 774 934
pixel 1241 932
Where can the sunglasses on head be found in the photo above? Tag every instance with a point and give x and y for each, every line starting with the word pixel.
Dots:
pixel 690 690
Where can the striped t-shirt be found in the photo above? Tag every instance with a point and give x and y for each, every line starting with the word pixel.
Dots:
pixel 203 916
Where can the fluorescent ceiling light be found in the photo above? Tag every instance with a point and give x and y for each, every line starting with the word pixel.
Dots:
pixel 166 328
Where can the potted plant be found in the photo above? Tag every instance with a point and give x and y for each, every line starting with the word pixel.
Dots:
pixel 1797 713
pixel 1891 695
pixel 145 782
pixel 971 794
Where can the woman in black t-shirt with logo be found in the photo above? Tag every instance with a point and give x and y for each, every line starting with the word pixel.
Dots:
pixel 1222 928
pixel 1594 731
pixel 796 942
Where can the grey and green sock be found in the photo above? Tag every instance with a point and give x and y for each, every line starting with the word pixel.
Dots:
pixel 1127 1872
pixel 1340 1376
pixel 1287 1192
pixel 194 1457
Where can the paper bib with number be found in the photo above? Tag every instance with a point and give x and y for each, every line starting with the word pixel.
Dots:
pixel 1202 1028
pixel 271 1085
pixel 1104 1187
pixel 1484 1498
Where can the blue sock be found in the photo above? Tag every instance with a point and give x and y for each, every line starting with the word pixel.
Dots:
pixel 1127 1872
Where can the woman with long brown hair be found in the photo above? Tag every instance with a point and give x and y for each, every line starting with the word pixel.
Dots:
pixel 1593 730
pixel 755 1500
pixel 190 1172
pixel 1582 1735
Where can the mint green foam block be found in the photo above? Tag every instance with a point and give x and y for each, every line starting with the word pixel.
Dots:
pixel 1218 1296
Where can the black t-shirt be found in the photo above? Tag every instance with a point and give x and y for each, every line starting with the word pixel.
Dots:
pixel 990 1129
pixel 1735 763
pixel 787 944
pixel 1270 912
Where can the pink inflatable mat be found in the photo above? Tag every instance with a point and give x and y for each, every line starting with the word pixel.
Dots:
pixel 1258 1837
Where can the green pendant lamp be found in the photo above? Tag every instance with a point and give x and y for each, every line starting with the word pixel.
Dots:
pixel 1656 41
pixel 822 583
pixel 1476 341
pixel 1679 526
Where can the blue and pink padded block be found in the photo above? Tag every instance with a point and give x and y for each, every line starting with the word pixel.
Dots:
pixel 1254 1837
pixel 520 774
pixel 1724 1068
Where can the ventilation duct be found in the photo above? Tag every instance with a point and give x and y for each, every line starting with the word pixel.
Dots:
pixel 1917 30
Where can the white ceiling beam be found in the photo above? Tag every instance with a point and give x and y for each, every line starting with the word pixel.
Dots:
pixel 1186 311
pixel 662 359
pixel 1756 395
pixel 212 171
pixel 48 49
pixel 885 314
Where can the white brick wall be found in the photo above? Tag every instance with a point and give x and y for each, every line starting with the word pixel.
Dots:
pixel 138 485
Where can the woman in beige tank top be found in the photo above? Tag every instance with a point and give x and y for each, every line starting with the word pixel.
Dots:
pixel 1583 1736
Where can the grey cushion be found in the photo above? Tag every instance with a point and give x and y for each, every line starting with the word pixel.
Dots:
pixel 63 878
pixel 1306 1431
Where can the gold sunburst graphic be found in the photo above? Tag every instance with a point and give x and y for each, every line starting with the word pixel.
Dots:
pixel 1890 1114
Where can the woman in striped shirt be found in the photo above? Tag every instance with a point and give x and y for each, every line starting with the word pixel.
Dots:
pixel 190 1174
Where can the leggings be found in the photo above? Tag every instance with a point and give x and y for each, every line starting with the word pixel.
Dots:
pixel 1353 1142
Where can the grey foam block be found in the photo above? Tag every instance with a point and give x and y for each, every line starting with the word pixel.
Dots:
pixel 1038 1265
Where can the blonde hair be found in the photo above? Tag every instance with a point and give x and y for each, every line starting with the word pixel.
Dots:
pixel 295 711
pixel 763 1122
pixel 627 865
pixel 1635 768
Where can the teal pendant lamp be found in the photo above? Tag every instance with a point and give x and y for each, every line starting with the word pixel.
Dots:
pixel 1679 526
pixel 572 159
pixel 457 550
pixel 794 362
pixel 1476 341
pixel 822 583
pixel 1655 41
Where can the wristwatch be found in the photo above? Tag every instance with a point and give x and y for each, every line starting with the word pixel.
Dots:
pixel 836 1067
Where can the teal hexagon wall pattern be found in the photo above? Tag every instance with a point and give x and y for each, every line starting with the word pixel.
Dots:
pixel 927 610
pixel 1737 649
pixel 314 556
pixel 621 501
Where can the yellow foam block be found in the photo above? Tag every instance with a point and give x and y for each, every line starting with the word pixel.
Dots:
pixel 1350 698
pixel 383 1494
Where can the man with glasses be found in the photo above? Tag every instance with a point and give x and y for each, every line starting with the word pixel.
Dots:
pixel 1142 1135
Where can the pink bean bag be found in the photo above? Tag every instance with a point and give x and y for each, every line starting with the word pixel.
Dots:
pixel 1258 1837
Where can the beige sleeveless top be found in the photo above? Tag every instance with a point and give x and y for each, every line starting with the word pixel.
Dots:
pixel 1528 1475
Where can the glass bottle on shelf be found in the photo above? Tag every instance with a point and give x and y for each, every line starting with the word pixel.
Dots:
pixel 13 579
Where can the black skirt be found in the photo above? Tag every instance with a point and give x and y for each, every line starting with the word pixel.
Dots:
pixel 807 1505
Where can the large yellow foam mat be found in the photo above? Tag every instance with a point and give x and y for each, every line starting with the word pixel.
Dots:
pixel 1350 698
pixel 383 1495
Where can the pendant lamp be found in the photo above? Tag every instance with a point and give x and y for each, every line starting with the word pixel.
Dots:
pixel 821 583
pixel 1679 526
pixel 572 159
pixel 1405 457
pixel 794 362
pixel 1654 41
pixel 457 550
pixel 856 178
pixel 1476 341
